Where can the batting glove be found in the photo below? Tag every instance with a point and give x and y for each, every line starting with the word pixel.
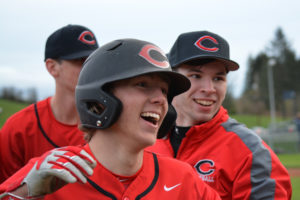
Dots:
pixel 58 167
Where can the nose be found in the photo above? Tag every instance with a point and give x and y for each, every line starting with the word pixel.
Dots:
pixel 158 97
pixel 207 86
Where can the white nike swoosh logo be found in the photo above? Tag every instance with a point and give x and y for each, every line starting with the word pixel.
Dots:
pixel 171 188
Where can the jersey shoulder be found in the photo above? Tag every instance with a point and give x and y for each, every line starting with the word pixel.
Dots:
pixel 248 136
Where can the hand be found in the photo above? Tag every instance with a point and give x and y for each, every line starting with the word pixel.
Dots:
pixel 58 167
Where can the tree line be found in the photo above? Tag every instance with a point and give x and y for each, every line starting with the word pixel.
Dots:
pixel 278 61
pixel 26 96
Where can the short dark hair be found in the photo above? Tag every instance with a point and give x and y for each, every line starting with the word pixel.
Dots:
pixel 197 62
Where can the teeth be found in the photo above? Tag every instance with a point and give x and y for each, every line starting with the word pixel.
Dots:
pixel 204 102
pixel 155 116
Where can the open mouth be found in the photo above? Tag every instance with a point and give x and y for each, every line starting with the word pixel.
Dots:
pixel 204 102
pixel 151 117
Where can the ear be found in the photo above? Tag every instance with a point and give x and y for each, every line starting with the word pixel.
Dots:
pixel 52 67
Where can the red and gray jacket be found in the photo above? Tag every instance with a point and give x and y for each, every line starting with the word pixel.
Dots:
pixel 231 159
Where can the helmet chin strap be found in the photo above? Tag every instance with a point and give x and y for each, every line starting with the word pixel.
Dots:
pixel 168 122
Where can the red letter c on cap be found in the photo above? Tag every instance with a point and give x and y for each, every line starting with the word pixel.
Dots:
pixel 84 40
pixel 199 44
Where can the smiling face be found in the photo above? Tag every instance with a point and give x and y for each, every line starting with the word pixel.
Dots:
pixel 203 100
pixel 144 100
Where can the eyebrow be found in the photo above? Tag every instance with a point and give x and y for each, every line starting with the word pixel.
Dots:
pixel 199 71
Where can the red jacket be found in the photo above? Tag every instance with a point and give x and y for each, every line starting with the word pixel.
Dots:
pixel 231 159
pixel 159 178
pixel 21 138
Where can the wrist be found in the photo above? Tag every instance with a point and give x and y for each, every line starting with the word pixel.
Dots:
pixel 17 194
pixel 12 196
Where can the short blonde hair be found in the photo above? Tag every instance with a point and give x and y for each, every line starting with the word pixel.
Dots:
pixel 89 132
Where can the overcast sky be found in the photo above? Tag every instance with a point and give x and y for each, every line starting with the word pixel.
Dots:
pixel 248 26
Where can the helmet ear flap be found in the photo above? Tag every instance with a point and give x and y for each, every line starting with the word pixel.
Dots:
pixel 111 108
pixel 168 122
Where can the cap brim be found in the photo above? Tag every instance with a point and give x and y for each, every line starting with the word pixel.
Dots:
pixel 230 64
pixel 77 55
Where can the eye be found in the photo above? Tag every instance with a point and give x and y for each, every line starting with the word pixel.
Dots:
pixel 164 91
pixel 141 84
pixel 219 78
pixel 195 76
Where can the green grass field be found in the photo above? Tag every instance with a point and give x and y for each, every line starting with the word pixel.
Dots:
pixel 253 120
pixel 288 160
pixel 292 161
pixel 8 108
pixel 296 188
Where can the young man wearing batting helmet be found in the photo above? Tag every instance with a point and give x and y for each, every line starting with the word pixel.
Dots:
pixel 226 155
pixel 122 98
pixel 51 122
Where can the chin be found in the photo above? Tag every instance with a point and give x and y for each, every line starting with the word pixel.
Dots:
pixel 149 141
pixel 204 118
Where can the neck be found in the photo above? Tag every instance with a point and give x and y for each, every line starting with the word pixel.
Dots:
pixel 185 121
pixel 115 156
pixel 64 108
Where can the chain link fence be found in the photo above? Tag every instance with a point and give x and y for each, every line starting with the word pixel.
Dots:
pixel 282 138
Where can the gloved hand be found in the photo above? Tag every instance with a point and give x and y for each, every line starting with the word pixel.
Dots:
pixel 58 167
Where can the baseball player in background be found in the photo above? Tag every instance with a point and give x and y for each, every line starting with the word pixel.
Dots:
pixel 226 155
pixel 51 122
pixel 122 99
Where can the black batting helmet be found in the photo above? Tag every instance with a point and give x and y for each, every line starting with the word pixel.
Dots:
pixel 118 60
